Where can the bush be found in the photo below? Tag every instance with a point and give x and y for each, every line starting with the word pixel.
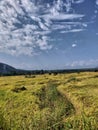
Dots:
pixel 30 76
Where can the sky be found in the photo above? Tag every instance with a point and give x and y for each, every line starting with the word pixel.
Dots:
pixel 49 34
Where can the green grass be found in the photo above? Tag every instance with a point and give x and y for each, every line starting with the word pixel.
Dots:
pixel 49 102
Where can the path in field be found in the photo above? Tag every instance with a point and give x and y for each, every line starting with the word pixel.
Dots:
pixel 78 106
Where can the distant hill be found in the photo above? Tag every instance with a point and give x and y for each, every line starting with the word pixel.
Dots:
pixel 9 70
pixel 6 69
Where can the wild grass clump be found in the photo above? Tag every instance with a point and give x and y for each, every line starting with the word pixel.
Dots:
pixel 30 76
pixel 96 76
pixel 72 79
pixel 19 89
pixel 82 122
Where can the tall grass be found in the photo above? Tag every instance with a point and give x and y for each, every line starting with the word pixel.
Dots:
pixel 3 123
pixel 49 102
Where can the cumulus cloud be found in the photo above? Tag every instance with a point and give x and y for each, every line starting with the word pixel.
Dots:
pixel 74 45
pixel 26 24
pixel 96 2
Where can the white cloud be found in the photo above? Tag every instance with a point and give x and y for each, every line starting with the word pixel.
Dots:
pixel 78 1
pixel 96 2
pixel 27 24
pixel 62 16
pixel 43 43
pixel 76 30
pixel 74 45
pixel 83 63
pixel 72 31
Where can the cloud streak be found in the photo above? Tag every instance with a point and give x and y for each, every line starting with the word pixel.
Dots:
pixel 82 63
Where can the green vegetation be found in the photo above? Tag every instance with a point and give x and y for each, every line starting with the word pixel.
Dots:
pixel 49 102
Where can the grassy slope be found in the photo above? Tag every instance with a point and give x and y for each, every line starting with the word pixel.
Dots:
pixel 64 101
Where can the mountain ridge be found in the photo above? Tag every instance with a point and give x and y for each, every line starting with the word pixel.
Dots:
pixel 6 69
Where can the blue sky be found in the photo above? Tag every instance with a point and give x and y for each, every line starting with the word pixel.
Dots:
pixel 49 34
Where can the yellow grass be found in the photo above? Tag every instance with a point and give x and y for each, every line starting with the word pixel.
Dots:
pixel 54 102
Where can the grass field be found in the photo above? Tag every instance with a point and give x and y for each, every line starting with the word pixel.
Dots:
pixel 49 102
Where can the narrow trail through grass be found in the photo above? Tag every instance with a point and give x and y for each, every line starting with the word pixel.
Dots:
pixel 78 106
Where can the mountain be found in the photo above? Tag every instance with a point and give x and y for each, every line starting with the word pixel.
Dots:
pixel 7 69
